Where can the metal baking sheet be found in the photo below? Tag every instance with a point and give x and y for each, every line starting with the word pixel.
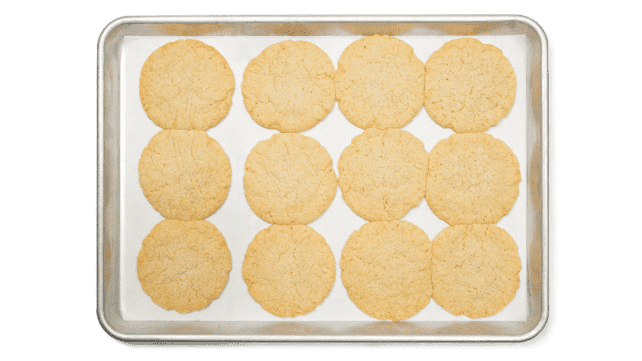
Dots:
pixel 125 217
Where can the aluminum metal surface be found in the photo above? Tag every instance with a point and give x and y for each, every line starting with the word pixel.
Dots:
pixel 109 185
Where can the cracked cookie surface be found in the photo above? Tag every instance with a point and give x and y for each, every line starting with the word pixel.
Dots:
pixel 183 266
pixel 379 83
pixel 470 86
pixel 475 269
pixel 184 174
pixel 289 179
pixel 473 178
pixel 289 86
pixel 385 267
pixel 289 270
pixel 382 174
pixel 186 84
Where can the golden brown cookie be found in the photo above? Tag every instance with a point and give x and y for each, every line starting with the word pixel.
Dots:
pixel 382 174
pixel 183 266
pixel 385 267
pixel 186 84
pixel 475 269
pixel 470 86
pixel 473 178
pixel 289 86
pixel 185 174
pixel 379 83
pixel 289 270
pixel 289 179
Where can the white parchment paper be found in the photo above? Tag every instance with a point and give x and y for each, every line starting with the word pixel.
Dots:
pixel 238 133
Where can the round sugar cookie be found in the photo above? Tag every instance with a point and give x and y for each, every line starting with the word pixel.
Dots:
pixel 382 174
pixel 475 269
pixel 289 179
pixel 289 86
pixel 185 174
pixel 385 267
pixel 473 178
pixel 183 266
pixel 379 83
pixel 289 270
pixel 186 84
pixel 470 86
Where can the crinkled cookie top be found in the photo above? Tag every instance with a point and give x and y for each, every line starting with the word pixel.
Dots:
pixel 289 179
pixel 289 86
pixel 473 178
pixel 379 83
pixel 185 174
pixel 385 267
pixel 475 269
pixel 186 84
pixel 183 266
pixel 289 270
pixel 470 86
pixel 382 174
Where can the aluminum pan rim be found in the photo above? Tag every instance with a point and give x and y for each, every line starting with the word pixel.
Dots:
pixel 322 18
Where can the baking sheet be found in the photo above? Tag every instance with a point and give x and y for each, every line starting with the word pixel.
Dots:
pixel 238 133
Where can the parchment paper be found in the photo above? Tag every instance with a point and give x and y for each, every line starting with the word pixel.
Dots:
pixel 238 133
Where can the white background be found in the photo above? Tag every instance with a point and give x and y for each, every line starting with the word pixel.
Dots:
pixel 238 134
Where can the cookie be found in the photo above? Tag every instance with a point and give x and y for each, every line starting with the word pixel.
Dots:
pixel 475 269
pixel 289 86
pixel 183 266
pixel 382 174
pixel 186 85
pixel 289 179
pixel 289 270
pixel 473 178
pixel 185 174
pixel 379 83
pixel 385 267
pixel 470 86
